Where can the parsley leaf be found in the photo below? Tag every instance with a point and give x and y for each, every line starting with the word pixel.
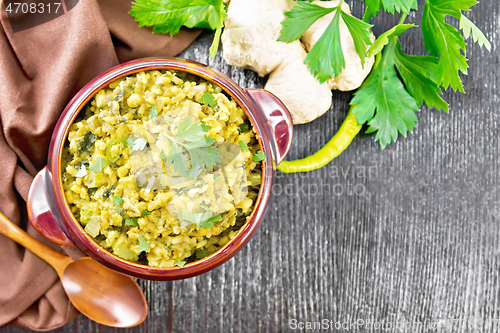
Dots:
pixel 360 33
pixel 168 16
pixel 300 18
pixel 117 200
pixel 98 165
pixel 132 222
pixel 243 145
pixel 152 112
pixel 392 6
pixel 145 212
pixel 326 59
pixel 468 27
pixel 190 136
pixel 383 39
pixel 139 144
pixel 82 172
pixel 180 263
pixel 417 73
pixel 259 156
pixel 372 9
pixel 445 41
pixel 201 220
pixel 385 94
pixel 143 245
pixel 207 99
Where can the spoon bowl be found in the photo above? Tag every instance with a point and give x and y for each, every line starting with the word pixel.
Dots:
pixel 105 296
pixel 108 297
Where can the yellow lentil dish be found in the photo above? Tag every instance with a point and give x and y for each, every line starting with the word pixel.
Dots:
pixel 162 168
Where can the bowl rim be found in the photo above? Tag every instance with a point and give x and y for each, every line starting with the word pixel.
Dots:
pixel 85 242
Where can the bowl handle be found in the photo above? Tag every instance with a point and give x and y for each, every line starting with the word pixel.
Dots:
pixel 278 119
pixel 39 212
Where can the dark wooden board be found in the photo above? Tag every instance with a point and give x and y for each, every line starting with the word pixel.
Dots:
pixel 417 242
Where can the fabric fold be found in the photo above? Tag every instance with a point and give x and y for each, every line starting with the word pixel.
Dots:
pixel 41 69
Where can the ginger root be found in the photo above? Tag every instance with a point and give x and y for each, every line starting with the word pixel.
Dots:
pixel 252 28
pixel 304 96
pixel 249 41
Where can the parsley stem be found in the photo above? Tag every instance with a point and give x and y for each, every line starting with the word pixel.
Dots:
pixel 403 18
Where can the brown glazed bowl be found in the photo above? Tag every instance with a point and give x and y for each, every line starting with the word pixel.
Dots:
pixel 50 213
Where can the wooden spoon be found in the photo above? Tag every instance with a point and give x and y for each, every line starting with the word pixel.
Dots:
pixel 103 295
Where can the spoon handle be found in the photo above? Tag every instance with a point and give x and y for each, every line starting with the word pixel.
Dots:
pixel 54 258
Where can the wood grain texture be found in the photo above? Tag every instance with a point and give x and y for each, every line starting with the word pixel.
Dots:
pixel 417 238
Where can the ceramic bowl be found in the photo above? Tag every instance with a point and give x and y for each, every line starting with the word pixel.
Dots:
pixel 51 215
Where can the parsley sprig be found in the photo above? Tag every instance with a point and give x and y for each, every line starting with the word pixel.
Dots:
pixel 326 59
pixel 191 136
pixel 399 83
pixel 168 16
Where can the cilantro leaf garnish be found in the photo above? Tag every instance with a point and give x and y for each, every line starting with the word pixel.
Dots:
pixel 99 164
pixel 139 144
pixel 201 220
pixel 117 200
pixel 243 145
pixel 445 41
pixel 259 156
pixel 152 112
pixel 205 127
pixel 145 212
pixel 162 155
pixel 180 263
pixel 191 137
pixel 468 27
pixel 200 254
pixel 168 16
pixel 130 141
pixel 207 99
pixel 143 245
pixel 132 222
pixel 82 172
pixel 326 59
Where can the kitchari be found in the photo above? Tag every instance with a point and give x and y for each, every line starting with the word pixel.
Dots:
pixel 162 168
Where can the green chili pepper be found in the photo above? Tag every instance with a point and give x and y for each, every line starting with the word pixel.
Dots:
pixel 340 141
pixel 123 143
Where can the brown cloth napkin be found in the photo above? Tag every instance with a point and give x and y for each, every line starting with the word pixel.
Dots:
pixel 41 68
